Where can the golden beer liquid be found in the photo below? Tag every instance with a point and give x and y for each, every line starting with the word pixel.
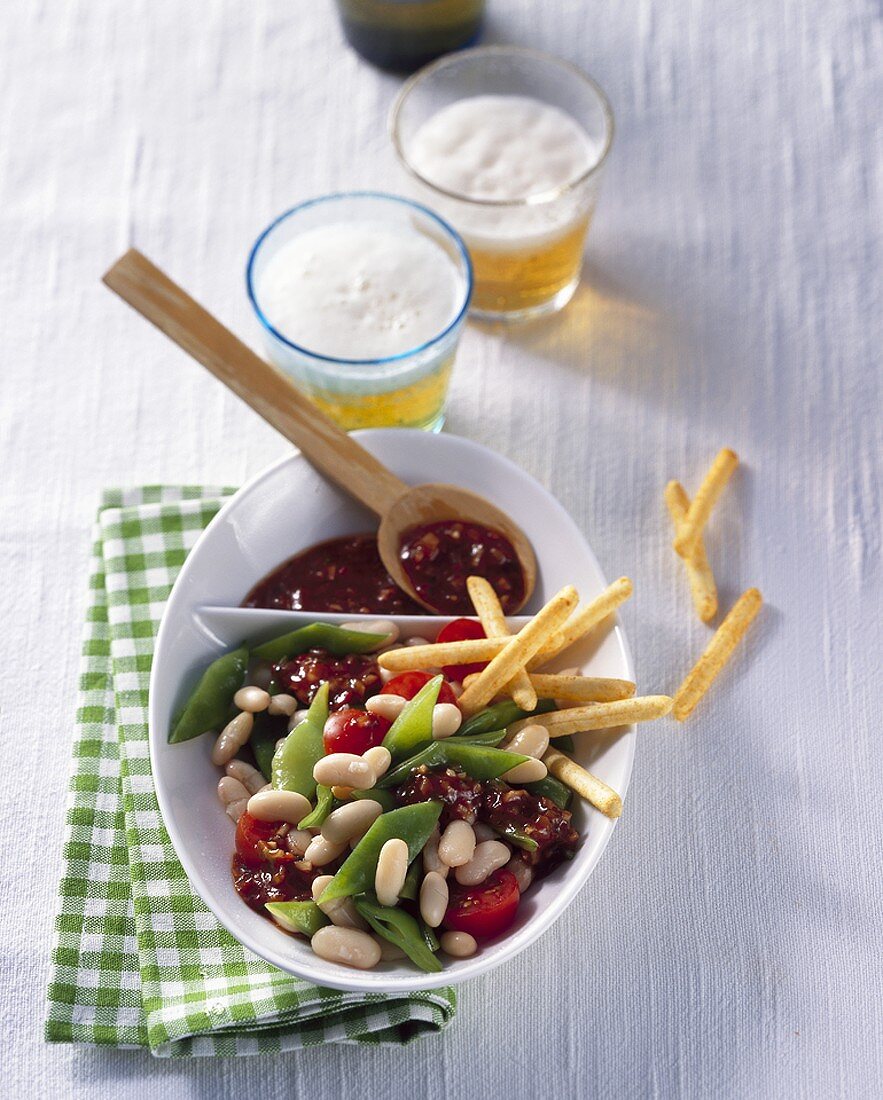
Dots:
pixel 418 405
pixel 510 280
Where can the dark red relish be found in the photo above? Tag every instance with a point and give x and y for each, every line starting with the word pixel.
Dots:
pixel 353 679
pixel 536 817
pixel 439 557
pixel 460 796
pixel 272 881
pixel 343 575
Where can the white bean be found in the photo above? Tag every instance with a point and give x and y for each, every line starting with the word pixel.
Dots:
pixel 434 895
pixel 457 844
pixel 347 946
pixel 379 758
pixel 321 851
pixel 530 771
pixel 416 640
pixel 295 720
pixel 483 832
pixel 282 704
pixel 387 674
pixel 344 769
pixel 530 741
pixel 431 861
pixel 446 720
pixel 340 911
pixel 523 873
pixel 233 736
pixel 275 805
pixel 351 821
pixel 376 626
pixel 298 840
pixel 233 796
pixel 459 945
pixel 392 867
pixel 251 698
pixel 387 706
pixel 389 952
pixel 487 858
pixel 247 775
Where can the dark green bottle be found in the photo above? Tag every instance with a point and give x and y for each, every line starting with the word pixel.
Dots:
pixel 402 35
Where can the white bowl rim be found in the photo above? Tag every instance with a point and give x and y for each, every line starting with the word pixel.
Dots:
pixel 317 972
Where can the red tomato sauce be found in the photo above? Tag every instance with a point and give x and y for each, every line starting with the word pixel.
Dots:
pixel 438 558
pixel 343 575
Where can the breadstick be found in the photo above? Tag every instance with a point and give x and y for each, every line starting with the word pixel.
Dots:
pixel 702 504
pixel 490 614
pixel 702 584
pixel 588 786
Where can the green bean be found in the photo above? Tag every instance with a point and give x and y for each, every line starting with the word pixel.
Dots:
pixel 429 936
pixel 500 715
pixel 319 635
pixel 399 928
pixel 413 824
pixel 385 799
pixel 477 761
pixel 520 839
pixel 296 757
pixel 551 788
pixel 267 730
pixel 299 916
pixel 413 878
pixel 316 817
pixel 492 738
pixel 413 726
pixel 210 700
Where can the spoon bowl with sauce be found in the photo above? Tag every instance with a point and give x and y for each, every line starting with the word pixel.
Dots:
pixel 431 537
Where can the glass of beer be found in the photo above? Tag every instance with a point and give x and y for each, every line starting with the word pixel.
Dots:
pixel 361 298
pixel 509 145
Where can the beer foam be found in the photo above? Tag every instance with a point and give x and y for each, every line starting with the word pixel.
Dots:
pixel 360 290
pixel 501 148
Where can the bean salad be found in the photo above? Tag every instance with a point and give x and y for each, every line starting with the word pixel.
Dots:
pixel 371 815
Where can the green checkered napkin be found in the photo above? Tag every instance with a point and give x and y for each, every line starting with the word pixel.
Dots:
pixel 139 960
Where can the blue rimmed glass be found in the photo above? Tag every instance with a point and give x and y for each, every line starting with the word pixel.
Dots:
pixel 407 389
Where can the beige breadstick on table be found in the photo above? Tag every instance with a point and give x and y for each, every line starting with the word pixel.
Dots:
pixel 703 502
pixel 702 583
pixel 718 651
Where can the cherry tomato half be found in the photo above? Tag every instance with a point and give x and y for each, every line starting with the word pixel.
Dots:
pixel 352 730
pixel 484 910
pixel 251 839
pixel 458 630
pixel 407 684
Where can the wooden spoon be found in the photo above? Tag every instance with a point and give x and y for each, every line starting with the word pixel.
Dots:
pixel 337 455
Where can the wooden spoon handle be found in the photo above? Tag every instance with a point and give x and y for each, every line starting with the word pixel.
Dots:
pixel 269 392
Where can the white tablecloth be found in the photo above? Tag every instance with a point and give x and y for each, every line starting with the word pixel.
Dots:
pixel 729 944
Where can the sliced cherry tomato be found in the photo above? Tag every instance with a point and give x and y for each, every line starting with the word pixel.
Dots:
pixel 458 630
pixel 352 730
pixel 484 910
pixel 252 839
pixel 407 684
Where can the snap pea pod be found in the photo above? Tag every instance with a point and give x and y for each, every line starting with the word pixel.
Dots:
pixel 296 757
pixel 413 878
pixel 336 640
pixel 268 729
pixel 210 700
pixel 385 799
pixel 413 727
pixel 551 788
pixel 429 937
pixel 515 836
pixel 413 824
pixel 477 761
pixel 499 715
pixel 399 928
pixel 316 816
pixel 492 738
pixel 300 916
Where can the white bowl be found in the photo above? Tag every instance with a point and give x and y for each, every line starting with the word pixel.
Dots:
pixel 285 509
